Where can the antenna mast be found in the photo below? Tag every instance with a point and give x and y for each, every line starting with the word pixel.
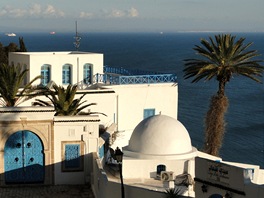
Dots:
pixel 77 38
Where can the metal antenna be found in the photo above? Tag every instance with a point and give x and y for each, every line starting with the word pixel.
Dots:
pixel 77 39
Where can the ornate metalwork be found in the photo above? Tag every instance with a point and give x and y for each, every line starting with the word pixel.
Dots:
pixel 77 38
pixel 138 79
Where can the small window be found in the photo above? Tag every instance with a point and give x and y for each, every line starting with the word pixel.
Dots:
pixel 45 74
pixel 160 167
pixel 87 73
pixel 66 74
pixel 72 156
pixel 148 113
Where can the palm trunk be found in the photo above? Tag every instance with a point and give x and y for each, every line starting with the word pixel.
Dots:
pixel 221 87
pixel 215 124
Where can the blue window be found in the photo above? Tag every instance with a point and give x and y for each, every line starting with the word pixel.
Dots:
pixel 66 74
pixel 45 74
pixel 72 158
pixel 87 73
pixel 148 113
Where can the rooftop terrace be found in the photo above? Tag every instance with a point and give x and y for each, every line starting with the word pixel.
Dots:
pixel 122 76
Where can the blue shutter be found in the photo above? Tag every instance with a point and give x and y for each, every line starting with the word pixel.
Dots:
pixel 66 74
pixel 87 73
pixel 72 156
pixel 45 74
pixel 148 113
pixel 101 151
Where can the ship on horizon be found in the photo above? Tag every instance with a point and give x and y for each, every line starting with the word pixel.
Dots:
pixel 10 34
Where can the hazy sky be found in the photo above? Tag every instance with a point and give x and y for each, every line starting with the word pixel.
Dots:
pixel 131 15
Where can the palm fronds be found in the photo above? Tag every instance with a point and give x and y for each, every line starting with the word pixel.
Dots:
pixel 12 89
pixel 64 101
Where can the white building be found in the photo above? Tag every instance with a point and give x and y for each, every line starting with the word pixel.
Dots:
pixel 157 156
pixel 37 147
pixel 61 67
pixel 160 156
pixel 125 96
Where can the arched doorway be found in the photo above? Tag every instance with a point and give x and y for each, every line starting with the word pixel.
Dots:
pixel 24 158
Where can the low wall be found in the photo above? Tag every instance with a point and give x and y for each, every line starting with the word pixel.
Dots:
pixel 103 188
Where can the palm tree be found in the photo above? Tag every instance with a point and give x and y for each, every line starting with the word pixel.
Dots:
pixel 12 90
pixel 63 101
pixel 222 58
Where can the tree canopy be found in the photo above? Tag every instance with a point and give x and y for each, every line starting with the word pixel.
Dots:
pixel 11 47
pixel 64 101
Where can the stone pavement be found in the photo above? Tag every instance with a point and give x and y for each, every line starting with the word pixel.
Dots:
pixel 60 191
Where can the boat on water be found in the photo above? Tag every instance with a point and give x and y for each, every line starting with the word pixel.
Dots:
pixel 52 33
pixel 10 34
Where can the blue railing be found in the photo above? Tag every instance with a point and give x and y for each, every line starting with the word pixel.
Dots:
pixel 138 79
pixel 126 72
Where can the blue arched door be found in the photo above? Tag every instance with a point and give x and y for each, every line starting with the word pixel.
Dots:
pixel 24 158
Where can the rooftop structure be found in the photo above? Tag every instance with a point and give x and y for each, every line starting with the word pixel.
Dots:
pixel 160 156
pixel 82 68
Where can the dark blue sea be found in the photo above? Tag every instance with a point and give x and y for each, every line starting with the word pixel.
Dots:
pixel 244 138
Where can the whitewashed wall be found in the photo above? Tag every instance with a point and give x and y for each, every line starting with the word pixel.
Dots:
pixel 124 105
pixel 75 129
pixel 133 99
pixel 141 168
pixel 103 187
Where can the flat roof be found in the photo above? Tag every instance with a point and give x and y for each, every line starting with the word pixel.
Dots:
pixel 55 53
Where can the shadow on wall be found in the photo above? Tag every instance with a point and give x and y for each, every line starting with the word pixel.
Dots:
pixel 22 169
pixel 105 187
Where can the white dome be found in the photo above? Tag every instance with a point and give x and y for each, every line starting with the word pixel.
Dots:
pixel 159 135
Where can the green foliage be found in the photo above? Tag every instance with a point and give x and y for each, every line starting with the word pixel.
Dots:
pixel 12 89
pixel 221 58
pixel 11 47
pixel 64 101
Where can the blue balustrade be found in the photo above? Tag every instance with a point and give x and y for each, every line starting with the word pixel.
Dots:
pixel 135 79
pixel 122 76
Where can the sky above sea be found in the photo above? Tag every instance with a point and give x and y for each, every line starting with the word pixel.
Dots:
pixel 131 15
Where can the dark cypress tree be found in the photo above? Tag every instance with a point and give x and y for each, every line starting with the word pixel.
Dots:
pixel 3 56
pixel 22 47
pixel 12 47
